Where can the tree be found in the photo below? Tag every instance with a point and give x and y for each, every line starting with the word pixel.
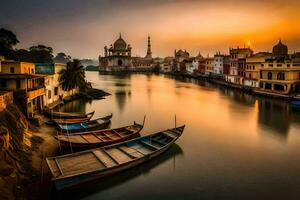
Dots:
pixel 73 76
pixel 62 58
pixel 7 41
pixel 41 54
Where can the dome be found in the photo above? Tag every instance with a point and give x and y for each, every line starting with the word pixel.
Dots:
pixel 280 49
pixel 120 44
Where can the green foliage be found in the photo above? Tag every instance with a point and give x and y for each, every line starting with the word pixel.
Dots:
pixel 73 76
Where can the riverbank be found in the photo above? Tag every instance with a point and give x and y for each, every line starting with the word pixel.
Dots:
pixel 24 145
pixel 220 81
pixel 18 145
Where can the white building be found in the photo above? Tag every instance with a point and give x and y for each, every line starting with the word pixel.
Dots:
pixel 218 64
pixel 54 91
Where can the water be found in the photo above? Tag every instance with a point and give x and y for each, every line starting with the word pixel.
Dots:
pixel 235 145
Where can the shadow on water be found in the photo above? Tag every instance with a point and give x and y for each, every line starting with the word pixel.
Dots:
pixel 121 177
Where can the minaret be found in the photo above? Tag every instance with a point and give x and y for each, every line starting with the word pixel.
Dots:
pixel 149 53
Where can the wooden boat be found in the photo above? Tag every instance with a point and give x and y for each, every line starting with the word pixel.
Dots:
pixel 99 138
pixel 96 124
pixel 55 121
pixel 77 120
pixel 78 168
pixel 64 115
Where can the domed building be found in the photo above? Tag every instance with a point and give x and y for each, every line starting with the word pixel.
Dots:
pixel 280 50
pixel 117 57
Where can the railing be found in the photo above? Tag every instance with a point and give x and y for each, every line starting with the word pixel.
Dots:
pixel 35 93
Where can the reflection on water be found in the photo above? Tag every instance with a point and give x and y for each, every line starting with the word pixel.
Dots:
pixel 235 145
pixel 121 178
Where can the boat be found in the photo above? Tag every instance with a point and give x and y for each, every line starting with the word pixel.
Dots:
pixel 99 138
pixel 55 121
pixel 64 115
pixel 95 124
pixel 78 168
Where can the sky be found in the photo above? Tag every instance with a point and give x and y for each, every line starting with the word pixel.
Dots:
pixel 81 28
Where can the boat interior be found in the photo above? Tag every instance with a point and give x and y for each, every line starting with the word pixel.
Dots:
pixel 110 156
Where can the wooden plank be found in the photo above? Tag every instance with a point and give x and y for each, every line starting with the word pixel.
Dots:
pixel 169 134
pixel 84 139
pixel 81 163
pixel 130 155
pixel 118 133
pixel 59 167
pixel 104 158
pixel 160 142
pixel 119 155
pixel 98 158
pixel 97 137
pixel 91 138
pixel 54 168
pixel 149 145
pixel 140 148
pixel 104 150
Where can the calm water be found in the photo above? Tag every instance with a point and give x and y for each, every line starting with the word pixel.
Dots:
pixel 235 145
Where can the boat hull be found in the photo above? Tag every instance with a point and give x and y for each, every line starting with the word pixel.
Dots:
pixel 66 144
pixel 78 181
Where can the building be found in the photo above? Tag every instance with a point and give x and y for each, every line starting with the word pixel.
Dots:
pixel 166 66
pixel 280 75
pixel 54 91
pixel 252 70
pixel 179 57
pixel 219 64
pixel 209 65
pixel 28 87
pixel 237 64
pixel 118 58
pixel 1 59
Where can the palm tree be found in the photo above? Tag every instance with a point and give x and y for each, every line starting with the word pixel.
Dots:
pixel 73 76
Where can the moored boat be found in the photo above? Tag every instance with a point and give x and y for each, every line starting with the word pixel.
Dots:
pixel 96 124
pixel 65 115
pixel 99 138
pixel 78 168
pixel 55 121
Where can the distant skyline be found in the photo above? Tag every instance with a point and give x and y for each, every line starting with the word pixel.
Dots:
pixel 82 28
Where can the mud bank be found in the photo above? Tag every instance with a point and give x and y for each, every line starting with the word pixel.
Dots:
pixel 22 151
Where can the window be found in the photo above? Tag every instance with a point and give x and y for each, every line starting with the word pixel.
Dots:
pixel 49 94
pixel 280 76
pixel 250 76
pixel 32 71
pixel 12 70
pixel 262 65
pixel 288 65
pixel 18 84
pixel 270 75
pixel 270 65
pixel 56 91
pixel 279 65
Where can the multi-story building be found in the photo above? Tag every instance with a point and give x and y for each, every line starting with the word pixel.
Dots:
pixel 209 65
pixel 28 87
pixel 280 75
pixel 54 91
pixel 252 69
pixel 237 64
pixel 219 63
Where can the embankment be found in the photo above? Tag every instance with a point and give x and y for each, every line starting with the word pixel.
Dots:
pixel 16 149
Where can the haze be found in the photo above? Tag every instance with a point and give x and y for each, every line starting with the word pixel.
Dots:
pixel 82 28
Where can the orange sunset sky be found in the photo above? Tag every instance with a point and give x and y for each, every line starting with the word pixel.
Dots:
pixel 82 28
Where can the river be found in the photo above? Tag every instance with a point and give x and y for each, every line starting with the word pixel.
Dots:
pixel 235 145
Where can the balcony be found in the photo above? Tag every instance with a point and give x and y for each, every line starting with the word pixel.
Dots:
pixel 32 94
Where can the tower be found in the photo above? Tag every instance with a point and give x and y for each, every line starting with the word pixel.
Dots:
pixel 149 53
